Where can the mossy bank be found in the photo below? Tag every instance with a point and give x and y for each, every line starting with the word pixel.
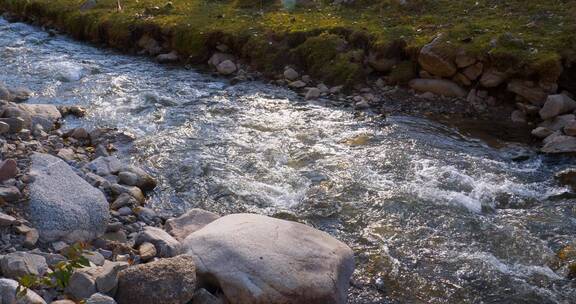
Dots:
pixel 515 53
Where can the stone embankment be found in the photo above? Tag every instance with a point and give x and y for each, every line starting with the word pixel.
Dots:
pixel 61 188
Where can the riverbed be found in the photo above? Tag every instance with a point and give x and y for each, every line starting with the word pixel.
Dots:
pixel 433 215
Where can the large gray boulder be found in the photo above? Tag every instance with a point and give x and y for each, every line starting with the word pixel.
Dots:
pixel 8 294
pixel 257 259
pixel 63 206
pixel 556 105
pixel 166 281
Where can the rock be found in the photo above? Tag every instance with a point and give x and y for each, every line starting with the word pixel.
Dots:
pixel 245 253
pixel 147 251
pixel 9 193
pixel 461 79
pixel 15 124
pixel 165 244
pixel 124 211
pixel 567 178
pixel 218 58
pixel 463 60
pixel 63 302
pixel 518 116
pixel 31 238
pixel 171 57
pixel 189 222
pixel 83 282
pixel 381 63
pixel 105 165
pixel 8 294
pixel 4 127
pixel 45 115
pixel 570 128
pixel 149 45
pixel 124 200
pixel 127 178
pixel 8 169
pixel 474 71
pixel 226 67
pixel 492 78
pixel 534 95
pixel 99 298
pixel 94 257
pixel 7 220
pixel 63 206
pixel 437 59
pixel 438 86
pixel 66 154
pixel 291 74
pixel 298 84
pixel 203 296
pixel 143 180
pixel 166 281
pixel 133 191
pixel 556 105
pixel 312 93
pixel 88 5
pixel 560 144
pixel 80 134
pixel 16 112
pixel 4 93
pixel 18 264
pixel 558 123
pixel 107 277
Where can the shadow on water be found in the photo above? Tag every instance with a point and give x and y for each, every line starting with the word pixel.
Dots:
pixel 434 215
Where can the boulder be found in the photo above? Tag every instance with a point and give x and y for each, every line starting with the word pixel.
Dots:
pixel 312 93
pixel 166 245
pixel 534 95
pixel 542 132
pixel 139 178
pixel 105 165
pixel 8 294
pixel 257 259
pixel 4 127
pixel 570 128
pixel 218 58
pixel 5 93
pixel 226 67
pixel 556 105
pixel 45 115
pixel 474 71
pixel 558 123
pixel 438 59
pixel 381 63
pixel 87 281
pixel 291 74
pixel 492 78
pixel 15 124
pixel 567 178
pixel 99 298
pixel 171 57
pixel 464 60
pixel 63 206
pixel 8 169
pixel 560 144
pixel 166 281
pixel 189 222
pixel 438 86
pixel 18 264
pixel 298 84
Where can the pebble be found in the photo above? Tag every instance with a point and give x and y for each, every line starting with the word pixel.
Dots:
pixel 147 251
pixel 7 220
pixel 8 169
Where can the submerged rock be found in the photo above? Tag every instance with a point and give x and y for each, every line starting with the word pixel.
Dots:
pixel 257 259
pixel 166 281
pixel 63 206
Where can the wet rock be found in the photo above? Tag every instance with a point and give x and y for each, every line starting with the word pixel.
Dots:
pixel 570 128
pixel 45 115
pixel 16 112
pixel 534 95
pixel 66 154
pixel 298 84
pixel 143 180
pixel 149 45
pixel 226 67
pixel 9 193
pixel 79 134
pixel 15 124
pixel 492 78
pixel 189 222
pixel 8 169
pixel 166 281
pixel 20 94
pixel 105 165
pixel 5 93
pixel 99 298
pixel 291 74
pixel 124 200
pixel 7 220
pixel 171 57
pixel 165 244
pixel 567 178
pixel 560 144
pixel 438 86
pixel 312 93
pixel 437 59
pixel 18 264
pixel 133 191
pixel 244 253
pixel 4 127
pixel 556 105
pixel 63 206
pixel 8 294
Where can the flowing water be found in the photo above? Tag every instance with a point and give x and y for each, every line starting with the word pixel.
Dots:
pixel 434 216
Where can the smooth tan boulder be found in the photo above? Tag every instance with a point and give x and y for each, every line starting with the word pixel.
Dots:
pixel 437 58
pixel 256 259
pixel 438 86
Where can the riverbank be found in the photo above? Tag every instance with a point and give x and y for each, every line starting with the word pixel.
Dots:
pixel 473 67
pixel 75 228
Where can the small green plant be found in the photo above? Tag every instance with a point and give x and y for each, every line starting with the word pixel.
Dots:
pixel 60 276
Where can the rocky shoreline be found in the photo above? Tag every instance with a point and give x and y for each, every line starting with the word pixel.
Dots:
pixel 66 199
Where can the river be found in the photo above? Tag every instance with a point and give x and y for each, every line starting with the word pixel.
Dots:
pixel 433 215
